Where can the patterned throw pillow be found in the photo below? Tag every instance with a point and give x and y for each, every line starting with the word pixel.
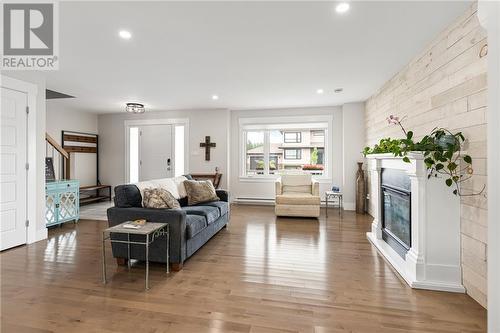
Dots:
pixel 159 198
pixel 200 191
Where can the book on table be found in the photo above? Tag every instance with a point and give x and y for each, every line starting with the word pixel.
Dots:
pixel 133 225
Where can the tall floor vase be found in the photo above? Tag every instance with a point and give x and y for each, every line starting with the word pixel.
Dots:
pixel 360 189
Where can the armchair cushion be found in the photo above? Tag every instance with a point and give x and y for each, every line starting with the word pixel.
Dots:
pixel 296 183
pixel 297 189
pixel 297 199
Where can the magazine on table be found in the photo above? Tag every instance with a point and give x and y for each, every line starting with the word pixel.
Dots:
pixel 134 224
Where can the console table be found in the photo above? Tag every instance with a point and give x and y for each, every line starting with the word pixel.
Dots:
pixel 61 202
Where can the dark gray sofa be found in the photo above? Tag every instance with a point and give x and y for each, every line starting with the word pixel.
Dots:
pixel 190 227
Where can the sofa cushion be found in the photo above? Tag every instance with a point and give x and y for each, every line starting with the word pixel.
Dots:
pixel 127 196
pixel 195 224
pixel 183 201
pixel 221 205
pixel 292 198
pixel 210 213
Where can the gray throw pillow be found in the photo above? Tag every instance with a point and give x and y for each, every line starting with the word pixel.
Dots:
pixel 159 198
pixel 200 191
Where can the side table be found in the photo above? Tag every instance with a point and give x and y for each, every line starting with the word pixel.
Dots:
pixel 330 195
pixel 150 230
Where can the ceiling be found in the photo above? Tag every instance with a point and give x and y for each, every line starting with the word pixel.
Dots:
pixel 251 54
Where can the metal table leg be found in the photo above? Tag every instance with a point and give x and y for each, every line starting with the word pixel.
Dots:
pixel 341 204
pixel 326 205
pixel 147 262
pixel 128 252
pixel 168 245
pixel 104 257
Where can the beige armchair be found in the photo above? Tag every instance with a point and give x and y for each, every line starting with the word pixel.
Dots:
pixel 297 195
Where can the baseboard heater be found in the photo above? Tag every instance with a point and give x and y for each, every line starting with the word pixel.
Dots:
pixel 264 201
pixel 254 201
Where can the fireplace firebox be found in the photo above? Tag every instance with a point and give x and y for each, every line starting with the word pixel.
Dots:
pixel 396 210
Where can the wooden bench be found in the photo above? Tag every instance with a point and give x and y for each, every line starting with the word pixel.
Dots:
pixel 97 194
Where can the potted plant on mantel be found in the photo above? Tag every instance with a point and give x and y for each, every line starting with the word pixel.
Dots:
pixel 442 152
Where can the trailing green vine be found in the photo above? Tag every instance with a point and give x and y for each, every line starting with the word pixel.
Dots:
pixel 442 154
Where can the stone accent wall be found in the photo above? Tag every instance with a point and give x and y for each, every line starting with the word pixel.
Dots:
pixel 446 86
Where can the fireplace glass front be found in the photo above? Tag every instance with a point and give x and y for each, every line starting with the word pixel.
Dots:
pixel 396 211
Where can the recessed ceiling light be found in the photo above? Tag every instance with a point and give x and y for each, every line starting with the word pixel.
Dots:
pixel 215 97
pixel 319 91
pixel 342 7
pixel 338 90
pixel 125 34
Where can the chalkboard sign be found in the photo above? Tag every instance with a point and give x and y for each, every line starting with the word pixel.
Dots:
pixel 49 169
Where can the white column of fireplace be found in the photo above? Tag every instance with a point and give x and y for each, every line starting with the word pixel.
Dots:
pixel 433 261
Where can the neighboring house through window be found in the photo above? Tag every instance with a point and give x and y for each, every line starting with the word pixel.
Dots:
pixel 277 148
pixel 293 154
pixel 292 137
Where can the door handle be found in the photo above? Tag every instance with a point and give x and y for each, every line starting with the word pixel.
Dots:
pixel 168 164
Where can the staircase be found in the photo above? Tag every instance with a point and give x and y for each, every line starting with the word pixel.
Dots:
pixel 60 157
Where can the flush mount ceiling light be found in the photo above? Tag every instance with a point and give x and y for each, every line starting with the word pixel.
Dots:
pixel 135 108
pixel 320 91
pixel 338 90
pixel 342 7
pixel 125 34
pixel 215 97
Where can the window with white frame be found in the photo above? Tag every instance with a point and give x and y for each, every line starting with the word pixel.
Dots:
pixel 272 149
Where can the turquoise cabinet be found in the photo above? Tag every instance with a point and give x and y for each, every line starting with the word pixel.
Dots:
pixel 62 201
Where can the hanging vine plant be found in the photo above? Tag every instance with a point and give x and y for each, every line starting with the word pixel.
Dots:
pixel 442 152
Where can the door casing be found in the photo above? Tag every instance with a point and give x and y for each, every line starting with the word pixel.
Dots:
pixel 158 121
pixel 36 146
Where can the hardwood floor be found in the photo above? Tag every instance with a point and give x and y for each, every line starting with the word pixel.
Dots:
pixel 262 275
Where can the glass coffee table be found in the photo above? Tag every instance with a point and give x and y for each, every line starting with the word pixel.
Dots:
pixel 151 231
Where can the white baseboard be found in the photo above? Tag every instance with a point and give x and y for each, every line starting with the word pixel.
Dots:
pixel 41 234
pixel 349 206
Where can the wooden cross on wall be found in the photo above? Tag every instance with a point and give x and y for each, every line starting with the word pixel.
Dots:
pixel 207 145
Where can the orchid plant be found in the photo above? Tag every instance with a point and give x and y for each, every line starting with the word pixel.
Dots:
pixel 441 149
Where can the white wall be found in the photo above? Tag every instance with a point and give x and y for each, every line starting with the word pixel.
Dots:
pixel 264 189
pixel 38 150
pixel 353 142
pixel 59 118
pixel 201 123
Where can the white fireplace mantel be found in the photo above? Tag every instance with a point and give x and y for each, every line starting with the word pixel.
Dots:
pixel 433 261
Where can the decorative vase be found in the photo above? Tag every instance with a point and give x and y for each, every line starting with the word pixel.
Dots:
pixel 360 189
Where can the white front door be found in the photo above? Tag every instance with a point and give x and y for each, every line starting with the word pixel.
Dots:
pixel 13 171
pixel 155 152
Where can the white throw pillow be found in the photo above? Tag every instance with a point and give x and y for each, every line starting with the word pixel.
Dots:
pixel 181 189
pixel 144 185
pixel 167 184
